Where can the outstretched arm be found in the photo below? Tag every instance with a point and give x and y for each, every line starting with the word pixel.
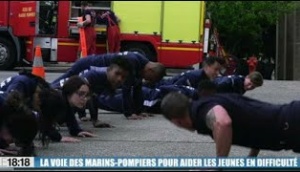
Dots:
pixel 128 102
pixel 218 120
pixel 253 152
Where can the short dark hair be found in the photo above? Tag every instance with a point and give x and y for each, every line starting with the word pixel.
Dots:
pixel 256 78
pixel 122 63
pixel 175 105
pixel 73 84
pixel 52 108
pixel 24 128
pixel 160 70
pixel 20 122
pixel 211 60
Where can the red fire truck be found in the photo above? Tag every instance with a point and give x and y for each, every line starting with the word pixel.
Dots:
pixel 171 32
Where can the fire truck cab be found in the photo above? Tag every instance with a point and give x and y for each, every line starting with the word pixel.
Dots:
pixel 171 32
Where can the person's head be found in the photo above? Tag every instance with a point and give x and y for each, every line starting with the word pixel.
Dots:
pixel 19 124
pixel 77 91
pixel 175 107
pixel 212 66
pixel 154 72
pixel 118 71
pixel 206 88
pixel 253 80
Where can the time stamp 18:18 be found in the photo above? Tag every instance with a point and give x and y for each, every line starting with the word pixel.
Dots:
pixel 11 162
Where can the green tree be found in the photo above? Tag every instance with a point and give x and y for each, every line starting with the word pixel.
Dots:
pixel 241 24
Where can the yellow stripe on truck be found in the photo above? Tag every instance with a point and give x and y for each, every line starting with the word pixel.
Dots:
pixel 68 44
pixel 179 49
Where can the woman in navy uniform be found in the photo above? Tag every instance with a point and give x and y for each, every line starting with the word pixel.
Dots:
pixel 142 68
pixel 76 93
pixel 102 79
pixel 233 119
pixel 24 123
pixel 54 106
pixel 46 102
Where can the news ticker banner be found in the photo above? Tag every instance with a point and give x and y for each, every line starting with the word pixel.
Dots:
pixel 147 162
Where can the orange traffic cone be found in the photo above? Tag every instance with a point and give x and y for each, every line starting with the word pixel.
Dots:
pixel 38 67
pixel 82 40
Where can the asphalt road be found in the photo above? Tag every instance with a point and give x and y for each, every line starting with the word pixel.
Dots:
pixel 155 136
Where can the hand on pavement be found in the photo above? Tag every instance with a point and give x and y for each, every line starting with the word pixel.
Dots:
pixel 135 117
pixel 85 134
pixel 69 140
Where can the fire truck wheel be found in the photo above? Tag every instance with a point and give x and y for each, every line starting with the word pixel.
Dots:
pixel 141 48
pixel 7 54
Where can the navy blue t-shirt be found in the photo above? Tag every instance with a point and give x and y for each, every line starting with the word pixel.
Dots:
pixel 95 76
pixel 255 124
pixel 24 84
pixel 190 78
pixel 230 84
pixel 137 61
pixel 186 90
pixel 97 79
pixel 151 97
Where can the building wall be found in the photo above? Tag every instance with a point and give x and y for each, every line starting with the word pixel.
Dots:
pixel 288 47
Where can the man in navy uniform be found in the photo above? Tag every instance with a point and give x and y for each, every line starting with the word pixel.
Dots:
pixel 148 70
pixel 238 84
pixel 151 98
pixel 101 79
pixel 143 69
pixel 233 119
pixel 210 70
